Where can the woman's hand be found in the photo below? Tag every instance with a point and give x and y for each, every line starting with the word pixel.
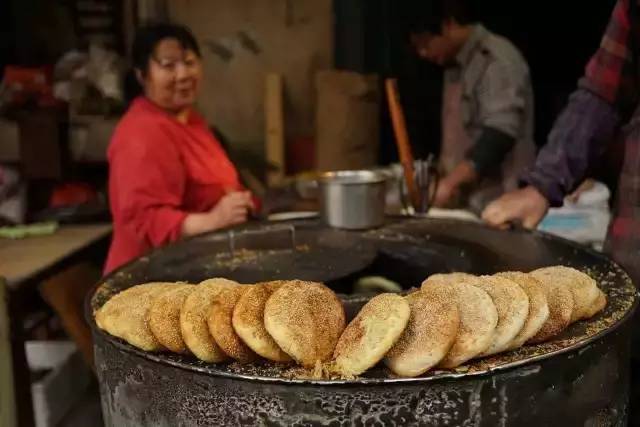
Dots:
pixel 527 206
pixel 232 209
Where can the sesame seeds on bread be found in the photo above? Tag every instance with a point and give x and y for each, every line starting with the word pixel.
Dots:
pixel 371 334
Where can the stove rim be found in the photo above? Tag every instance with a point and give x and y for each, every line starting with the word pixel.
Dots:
pixel 443 377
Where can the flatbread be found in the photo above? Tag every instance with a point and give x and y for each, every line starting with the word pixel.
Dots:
pixel 164 318
pixel 221 327
pixel 583 288
pixel 306 320
pixel 512 304
pixel 371 334
pixel 478 321
pixel 599 304
pixel 447 278
pixel 248 322
pixel 429 335
pixel 560 301
pixel 125 315
pixel 194 316
pixel 538 306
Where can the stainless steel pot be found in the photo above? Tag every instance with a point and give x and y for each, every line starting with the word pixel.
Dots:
pixel 353 200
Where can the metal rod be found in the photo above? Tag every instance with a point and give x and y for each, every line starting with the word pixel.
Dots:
pixel 232 236
pixel 232 242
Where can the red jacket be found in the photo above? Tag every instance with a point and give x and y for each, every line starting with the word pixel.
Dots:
pixel 160 171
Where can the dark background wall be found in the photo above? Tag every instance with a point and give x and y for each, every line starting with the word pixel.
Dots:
pixel 369 36
pixel 35 32
pixel 556 38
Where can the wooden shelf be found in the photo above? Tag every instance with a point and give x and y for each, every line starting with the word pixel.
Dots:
pixel 101 22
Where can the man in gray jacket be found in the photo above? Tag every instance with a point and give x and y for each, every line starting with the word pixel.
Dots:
pixel 487 116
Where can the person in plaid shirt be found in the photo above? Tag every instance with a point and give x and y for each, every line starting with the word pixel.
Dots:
pixel 605 106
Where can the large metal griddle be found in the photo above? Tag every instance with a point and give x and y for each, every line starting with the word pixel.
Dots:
pixel 404 250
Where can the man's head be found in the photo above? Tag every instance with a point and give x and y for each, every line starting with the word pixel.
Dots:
pixel 442 34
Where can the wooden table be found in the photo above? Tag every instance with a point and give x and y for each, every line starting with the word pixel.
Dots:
pixel 23 259
pixel 24 263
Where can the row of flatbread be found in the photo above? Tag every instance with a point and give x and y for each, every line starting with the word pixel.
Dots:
pixel 452 319
pixel 220 320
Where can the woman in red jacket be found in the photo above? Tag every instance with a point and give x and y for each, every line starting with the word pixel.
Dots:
pixel 169 177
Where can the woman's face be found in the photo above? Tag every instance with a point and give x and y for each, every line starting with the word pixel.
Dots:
pixel 173 76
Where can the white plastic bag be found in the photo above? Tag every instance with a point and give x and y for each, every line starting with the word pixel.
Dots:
pixel 585 221
pixel 13 196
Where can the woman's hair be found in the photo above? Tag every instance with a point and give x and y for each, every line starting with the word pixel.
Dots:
pixel 146 40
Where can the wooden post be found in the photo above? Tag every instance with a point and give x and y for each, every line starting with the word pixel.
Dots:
pixel 7 396
pixel 274 123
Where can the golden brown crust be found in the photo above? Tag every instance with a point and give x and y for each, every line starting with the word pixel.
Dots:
pixel 599 304
pixel 328 312
pixel 305 319
pixel 478 321
pixel 560 300
pixel 221 327
pixel 447 278
pixel 125 315
pixel 429 335
pixel 538 306
pixel 583 288
pixel 512 304
pixel 164 318
pixel 193 320
pixel 371 334
pixel 248 322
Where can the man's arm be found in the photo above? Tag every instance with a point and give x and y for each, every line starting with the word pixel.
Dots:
pixel 502 98
pixel 578 138
pixel 606 97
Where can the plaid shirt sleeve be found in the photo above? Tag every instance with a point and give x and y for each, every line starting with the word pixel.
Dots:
pixel 606 96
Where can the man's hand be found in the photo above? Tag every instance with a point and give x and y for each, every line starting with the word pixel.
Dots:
pixel 527 206
pixel 449 186
pixel 586 185
pixel 445 193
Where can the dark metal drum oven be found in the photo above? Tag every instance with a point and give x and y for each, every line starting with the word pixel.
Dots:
pixel 579 378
